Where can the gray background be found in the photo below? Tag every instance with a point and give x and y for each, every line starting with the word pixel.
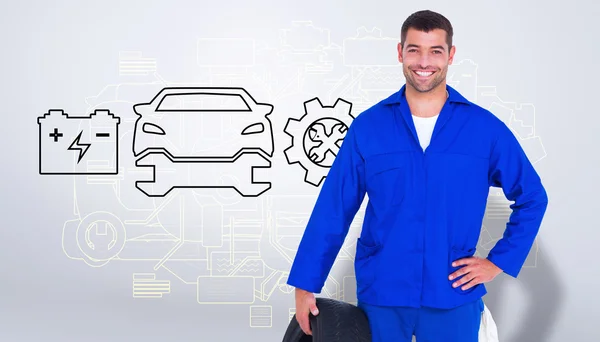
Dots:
pixel 56 54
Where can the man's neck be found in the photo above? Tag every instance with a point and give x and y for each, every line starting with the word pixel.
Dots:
pixel 426 104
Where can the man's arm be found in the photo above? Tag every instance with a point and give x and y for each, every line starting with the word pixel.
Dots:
pixel 511 170
pixel 338 201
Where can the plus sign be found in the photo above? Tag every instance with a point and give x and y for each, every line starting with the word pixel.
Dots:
pixel 55 135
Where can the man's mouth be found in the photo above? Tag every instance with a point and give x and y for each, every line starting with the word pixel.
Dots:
pixel 423 74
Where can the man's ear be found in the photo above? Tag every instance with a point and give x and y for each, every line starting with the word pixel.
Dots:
pixel 399 48
pixel 451 54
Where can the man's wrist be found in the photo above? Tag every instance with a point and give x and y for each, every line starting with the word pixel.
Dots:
pixel 498 269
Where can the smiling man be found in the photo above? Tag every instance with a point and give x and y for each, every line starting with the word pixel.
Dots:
pixel 426 157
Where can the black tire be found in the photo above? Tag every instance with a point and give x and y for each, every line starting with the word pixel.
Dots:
pixel 337 321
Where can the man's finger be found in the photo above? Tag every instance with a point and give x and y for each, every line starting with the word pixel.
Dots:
pixel 313 309
pixel 465 261
pixel 304 324
pixel 461 271
pixel 471 283
pixel 463 280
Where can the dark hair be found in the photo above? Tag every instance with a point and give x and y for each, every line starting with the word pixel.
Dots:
pixel 426 21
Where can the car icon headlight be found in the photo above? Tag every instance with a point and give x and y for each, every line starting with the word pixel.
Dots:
pixel 254 128
pixel 152 129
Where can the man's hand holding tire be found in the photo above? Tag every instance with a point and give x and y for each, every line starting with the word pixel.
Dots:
pixel 305 304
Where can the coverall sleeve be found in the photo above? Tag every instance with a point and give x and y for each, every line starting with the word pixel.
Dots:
pixel 336 205
pixel 511 170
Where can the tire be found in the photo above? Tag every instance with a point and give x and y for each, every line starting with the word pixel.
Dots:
pixel 337 321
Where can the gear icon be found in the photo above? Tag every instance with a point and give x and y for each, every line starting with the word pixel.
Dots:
pixel 317 137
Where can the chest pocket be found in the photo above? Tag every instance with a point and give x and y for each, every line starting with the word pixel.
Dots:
pixel 463 173
pixel 386 177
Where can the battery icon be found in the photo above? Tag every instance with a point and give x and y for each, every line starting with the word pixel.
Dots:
pixel 78 145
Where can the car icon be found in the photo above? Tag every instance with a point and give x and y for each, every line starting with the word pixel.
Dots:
pixel 203 137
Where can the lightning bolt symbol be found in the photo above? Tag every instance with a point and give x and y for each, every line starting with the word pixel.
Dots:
pixel 77 146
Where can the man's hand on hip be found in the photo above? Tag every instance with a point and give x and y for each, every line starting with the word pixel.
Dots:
pixel 476 270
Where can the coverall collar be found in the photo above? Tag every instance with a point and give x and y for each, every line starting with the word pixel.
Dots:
pixel 399 97
pixel 399 102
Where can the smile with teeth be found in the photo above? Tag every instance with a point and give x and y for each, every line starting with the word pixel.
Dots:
pixel 424 73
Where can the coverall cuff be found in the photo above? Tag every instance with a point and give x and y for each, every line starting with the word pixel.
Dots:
pixel 506 266
pixel 305 277
pixel 304 285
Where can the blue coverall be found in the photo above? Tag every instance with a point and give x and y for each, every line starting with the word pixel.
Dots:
pixel 425 208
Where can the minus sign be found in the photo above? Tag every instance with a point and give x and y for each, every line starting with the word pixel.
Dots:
pixel 98 135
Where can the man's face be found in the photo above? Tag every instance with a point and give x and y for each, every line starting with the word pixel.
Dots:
pixel 425 58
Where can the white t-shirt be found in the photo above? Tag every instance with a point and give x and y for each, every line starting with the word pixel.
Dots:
pixel 424 127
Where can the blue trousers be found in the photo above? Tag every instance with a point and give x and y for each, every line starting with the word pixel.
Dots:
pixel 399 324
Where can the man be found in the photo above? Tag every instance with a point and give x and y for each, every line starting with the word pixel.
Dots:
pixel 426 157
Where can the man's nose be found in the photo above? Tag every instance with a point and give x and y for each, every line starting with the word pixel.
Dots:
pixel 424 60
